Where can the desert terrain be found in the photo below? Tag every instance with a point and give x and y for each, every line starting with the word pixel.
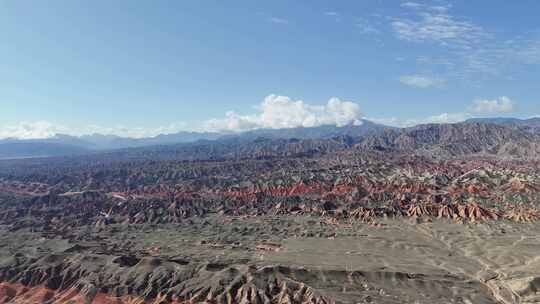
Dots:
pixel 431 215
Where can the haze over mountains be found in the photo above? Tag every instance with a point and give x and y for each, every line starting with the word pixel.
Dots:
pixel 62 144
pixel 498 135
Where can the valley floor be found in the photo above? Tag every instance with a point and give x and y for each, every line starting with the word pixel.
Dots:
pixel 275 259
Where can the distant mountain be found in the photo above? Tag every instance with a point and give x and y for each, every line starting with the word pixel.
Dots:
pixel 99 142
pixel 441 141
pixel 108 142
pixel 328 131
pixel 449 140
pixel 57 139
pixel 438 141
pixel 531 125
pixel 62 144
pixel 25 149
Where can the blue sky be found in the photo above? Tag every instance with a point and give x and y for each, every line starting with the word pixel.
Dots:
pixel 140 68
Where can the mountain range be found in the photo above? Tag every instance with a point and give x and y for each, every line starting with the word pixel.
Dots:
pixel 496 135
pixel 62 144
pixel 531 125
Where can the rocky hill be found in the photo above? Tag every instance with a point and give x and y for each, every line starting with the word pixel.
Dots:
pixel 531 125
pixel 504 139
pixel 448 140
pixel 440 141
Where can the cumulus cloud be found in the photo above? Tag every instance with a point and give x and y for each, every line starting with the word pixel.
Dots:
pixel 277 112
pixel 501 105
pixel 420 81
pixel 274 112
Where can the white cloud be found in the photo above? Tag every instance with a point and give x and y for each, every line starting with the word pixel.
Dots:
pixel 501 105
pixel 232 122
pixel 447 118
pixel 31 130
pixel 473 53
pixel 366 27
pixel 434 24
pixel 499 57
pixel 438 119
pixel 45 129
pixel 335 15
pixel 277 112
pixel 274 112
pixel 419 6
pixel 530 53
pixel 436 61
pixel 278 20
pixel 133 132
pixel 387 121
pixel 411 5
pixel 420 81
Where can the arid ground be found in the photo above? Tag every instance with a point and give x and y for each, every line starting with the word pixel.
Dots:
pixel 278 222
pixel 395 261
